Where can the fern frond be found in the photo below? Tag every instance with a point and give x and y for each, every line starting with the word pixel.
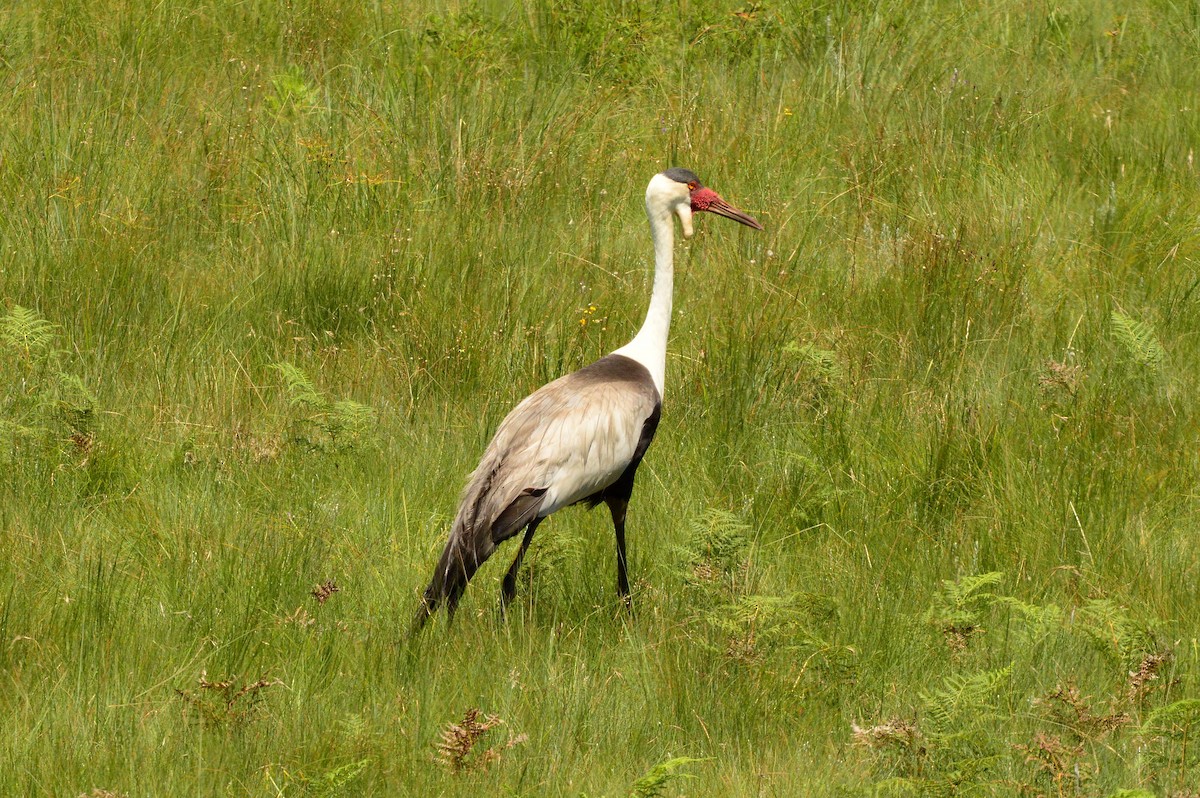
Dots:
pixel 1178 718
pixel 300 389
pixel 752 626
pixel 898 785
pixel 334 782
pixel 326 424
pixel 652 784
pixel 965 589
pixel 1138 339
pixel 820 363
pixel 963 696
pixel 74 403
pixel 349 416
pixel 769 611
pixel 26 331
pixel 1115 631
pixel 354 725
pixel 552 564
pixel 718 546
pixel 1040 619
pixel 1164 736
pixel 957 609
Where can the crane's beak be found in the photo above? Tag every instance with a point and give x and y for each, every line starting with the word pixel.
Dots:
pixel 705 199
pixel 723 208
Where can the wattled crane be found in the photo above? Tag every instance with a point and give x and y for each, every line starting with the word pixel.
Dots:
pixel 581 437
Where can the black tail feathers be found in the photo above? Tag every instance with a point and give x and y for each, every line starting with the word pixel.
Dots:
pixel 429 605
pixel 448 583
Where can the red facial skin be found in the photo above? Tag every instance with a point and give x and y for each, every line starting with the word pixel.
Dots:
pixel 703 198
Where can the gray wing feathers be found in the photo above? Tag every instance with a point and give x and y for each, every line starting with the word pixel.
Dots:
pixel 564 443
pixel 574 436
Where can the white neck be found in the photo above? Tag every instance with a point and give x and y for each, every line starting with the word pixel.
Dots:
pixel 649 346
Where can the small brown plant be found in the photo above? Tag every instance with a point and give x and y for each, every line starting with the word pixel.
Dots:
pixel 224 702
pixel 896 733
pixel 99 793
pixel 743 647
pixel 959 636
pixel 257 448
pixel 1143 680
pixel 1060 376
pixel 1068 708
pixel 1058 762
pixel 704 573
pixel 458 740
pixel 323 591
pixel 205 684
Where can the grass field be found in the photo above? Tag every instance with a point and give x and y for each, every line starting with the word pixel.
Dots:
pixel 922 516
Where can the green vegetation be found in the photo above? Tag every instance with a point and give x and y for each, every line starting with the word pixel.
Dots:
pixel 922 515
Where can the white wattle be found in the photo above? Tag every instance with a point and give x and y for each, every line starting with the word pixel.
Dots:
pixel 649 346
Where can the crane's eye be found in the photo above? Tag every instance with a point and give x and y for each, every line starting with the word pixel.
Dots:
pixel 692 186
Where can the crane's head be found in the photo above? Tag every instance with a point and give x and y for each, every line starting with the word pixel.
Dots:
pixel 678 191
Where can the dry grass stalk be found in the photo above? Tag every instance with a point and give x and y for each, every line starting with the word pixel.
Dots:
pixel 299 617
pixel 205 684
pixel 252 688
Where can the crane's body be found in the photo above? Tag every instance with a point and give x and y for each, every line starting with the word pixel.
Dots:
pixel 581 437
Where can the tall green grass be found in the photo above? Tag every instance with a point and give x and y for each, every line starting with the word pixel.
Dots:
pixel 921 516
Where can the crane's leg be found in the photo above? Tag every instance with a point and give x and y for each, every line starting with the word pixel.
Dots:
pixel 508 588
pixel 617 506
